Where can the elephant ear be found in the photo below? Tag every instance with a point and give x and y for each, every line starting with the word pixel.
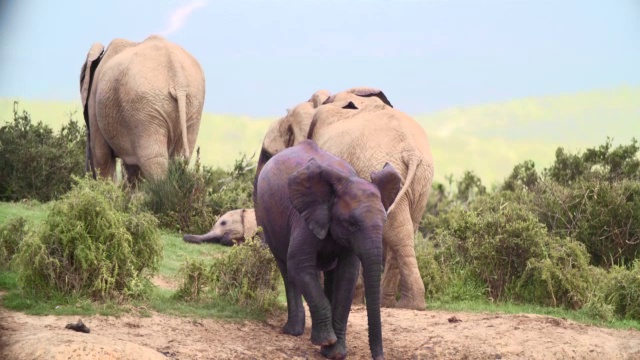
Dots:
pixel 388 182
pixel 311 192
pixel 369 92
pixel 319 97
pixel 88 69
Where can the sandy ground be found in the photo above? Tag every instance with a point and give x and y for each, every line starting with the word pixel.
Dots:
pixel 407 334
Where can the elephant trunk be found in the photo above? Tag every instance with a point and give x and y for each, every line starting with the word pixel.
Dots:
pixel 371 260
pixel 197 239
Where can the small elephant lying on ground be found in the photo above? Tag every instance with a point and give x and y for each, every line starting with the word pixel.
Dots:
pixel 318 215
pixel 231 227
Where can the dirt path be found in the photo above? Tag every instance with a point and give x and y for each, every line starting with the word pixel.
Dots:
pixel 407 335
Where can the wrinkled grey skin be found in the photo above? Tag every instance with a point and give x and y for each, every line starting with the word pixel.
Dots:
pixel 142 102
pixel 230 229
pixel 318 215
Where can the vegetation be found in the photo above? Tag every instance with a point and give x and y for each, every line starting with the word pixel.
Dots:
pixel 564 239
pixel 11 235
pixel 96 242
pixel 567 237
pixel 192 200
pixel 36 162
pixel 247 276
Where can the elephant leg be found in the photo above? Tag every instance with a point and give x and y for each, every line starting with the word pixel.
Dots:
pixel 302 270
pixel 103 157
pixel 154 160
pixel 399 236
pixel 295 309
pixel 390 280
pixel 345 277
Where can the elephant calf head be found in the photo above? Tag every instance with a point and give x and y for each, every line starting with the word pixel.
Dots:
pixel 231 228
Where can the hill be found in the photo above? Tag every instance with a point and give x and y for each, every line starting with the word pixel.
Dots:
pixel 488 139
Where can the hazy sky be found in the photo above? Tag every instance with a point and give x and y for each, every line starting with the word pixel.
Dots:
pixel 260 57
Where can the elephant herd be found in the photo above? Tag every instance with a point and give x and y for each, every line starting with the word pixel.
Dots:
pixel 341 185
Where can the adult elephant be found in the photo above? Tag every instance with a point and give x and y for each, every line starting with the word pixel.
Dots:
pixel 361 126
pixel 142 103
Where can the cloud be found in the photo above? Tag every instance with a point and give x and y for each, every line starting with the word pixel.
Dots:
pixel 180 15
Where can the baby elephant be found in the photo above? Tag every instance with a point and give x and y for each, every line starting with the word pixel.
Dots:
pixel 318 215
pixel 230 227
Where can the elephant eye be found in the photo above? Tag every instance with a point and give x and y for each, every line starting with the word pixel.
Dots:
pixel 223 223
pixel 352 225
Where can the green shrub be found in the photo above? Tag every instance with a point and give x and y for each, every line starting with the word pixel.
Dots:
pixel 613 164
pixel 247 276
pixel 179 200
pixel 498 241
pixel 95 242
pixel 445 274
pixel 196 278
pixel 603 215
pixel 561 275
pixel 11 235
pixel 191 200
pixel 235 190
pixel 522 177
pixel 623 290
pixel 35 162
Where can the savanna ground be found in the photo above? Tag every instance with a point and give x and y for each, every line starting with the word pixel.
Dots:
pixel 170 329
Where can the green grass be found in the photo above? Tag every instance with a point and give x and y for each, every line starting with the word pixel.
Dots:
pixel 176 250
pixel 32 210
pixel 580 316
pixel 488 139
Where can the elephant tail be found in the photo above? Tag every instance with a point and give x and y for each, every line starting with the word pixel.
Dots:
pixel 411 172
pixel 182 109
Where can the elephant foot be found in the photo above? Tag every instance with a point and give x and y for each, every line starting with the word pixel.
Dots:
pixel 337 351
pixel 388 302
pixel 295 328
pixel 411 304
pixel 323 337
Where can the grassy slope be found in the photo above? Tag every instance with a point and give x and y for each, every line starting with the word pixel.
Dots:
pixel 488 139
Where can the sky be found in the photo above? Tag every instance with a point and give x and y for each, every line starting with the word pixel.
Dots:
pixel 261 57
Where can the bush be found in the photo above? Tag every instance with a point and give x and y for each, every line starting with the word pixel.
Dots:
pixel 499 242
pixel 613 164
pixel 35 162
pixel 196 278
pixel 603 215
pixel 248 276
pixel 179 200
pixel 11 235
pixel 562 275
pixel 235 190
pixel 622 290
pixel 445 274
pixel 191 200
pixel 95 242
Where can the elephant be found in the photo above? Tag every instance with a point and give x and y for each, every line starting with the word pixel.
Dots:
pixel 231 228
pixel 361 126
pixel 142 102
pixel 317 214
